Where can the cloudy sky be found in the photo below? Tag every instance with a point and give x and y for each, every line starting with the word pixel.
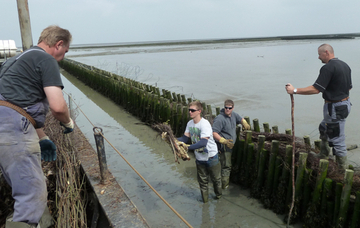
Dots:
pixel 110 21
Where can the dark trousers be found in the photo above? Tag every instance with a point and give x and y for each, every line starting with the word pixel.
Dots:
pixel 225 161
pixel 210 168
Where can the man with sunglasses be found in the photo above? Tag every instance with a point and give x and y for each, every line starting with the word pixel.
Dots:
pixel 224 131
pixel 207 161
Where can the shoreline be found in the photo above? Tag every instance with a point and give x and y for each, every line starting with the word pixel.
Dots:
pixel 210 41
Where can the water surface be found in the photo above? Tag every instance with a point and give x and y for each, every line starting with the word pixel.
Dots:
pixel 253 74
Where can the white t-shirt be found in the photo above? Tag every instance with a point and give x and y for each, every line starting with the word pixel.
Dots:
pixel 200 130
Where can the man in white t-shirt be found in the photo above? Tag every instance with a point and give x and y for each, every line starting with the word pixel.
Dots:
pixel 200 132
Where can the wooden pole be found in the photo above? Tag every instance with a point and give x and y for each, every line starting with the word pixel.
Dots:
pixel 244 156
pixel 239 156
pixel 323 167
pixel 217 111
pixel 275 129
pixel 277 173
pixel 273 155
pixel 99 139
pixel 178 119
pixel 266 127
pixel 259 183
pixel 325 196
pixel 306 191
pixel 300 174
pixel 256 125
pixel 183 99
pixel 356 214
pixel 249 164
pixel 25 26
pixel 338 191
pixel 282 189
pixel 288 131
pixel 317 144
pixel 260 147
pixel 248 120
pixel 307 143
pixel 293 159
pixel 345 197
pixel 174 97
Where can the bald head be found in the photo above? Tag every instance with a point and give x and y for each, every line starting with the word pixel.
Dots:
pixel 326 52
pixel 326 47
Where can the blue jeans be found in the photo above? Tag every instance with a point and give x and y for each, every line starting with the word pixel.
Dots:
pixel 20 164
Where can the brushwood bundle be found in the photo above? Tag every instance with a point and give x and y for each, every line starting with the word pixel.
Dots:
pixel 179 149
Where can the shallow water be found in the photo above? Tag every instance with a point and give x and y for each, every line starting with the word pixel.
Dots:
pixel 252 74
pixel 153 159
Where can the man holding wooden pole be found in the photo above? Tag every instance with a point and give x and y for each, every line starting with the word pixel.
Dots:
pixel 334 81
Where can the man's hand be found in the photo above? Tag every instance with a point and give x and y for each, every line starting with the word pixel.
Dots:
pixel 289 88
pixel 182 144
pixel 245 124
pixel 48 149
pixel 69 127
pixel 226 142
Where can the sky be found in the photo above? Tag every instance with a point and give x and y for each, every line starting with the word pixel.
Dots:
pixel 118 21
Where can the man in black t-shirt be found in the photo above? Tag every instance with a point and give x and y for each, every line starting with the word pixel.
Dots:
pixel 30 84
pixel 334 81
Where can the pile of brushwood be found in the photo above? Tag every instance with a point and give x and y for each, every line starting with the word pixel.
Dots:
pixel 65 183
pixel 179 148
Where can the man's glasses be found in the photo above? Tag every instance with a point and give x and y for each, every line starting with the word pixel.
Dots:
pixel 228 108
pixel 192 110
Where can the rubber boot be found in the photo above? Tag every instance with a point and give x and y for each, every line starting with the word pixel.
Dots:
pixel 205 196
pixel 225 182
pixel 341 162
pixel 217 190
pixel 324 150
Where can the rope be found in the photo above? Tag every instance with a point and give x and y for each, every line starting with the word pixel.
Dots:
pixel 293 159
pixel 133 167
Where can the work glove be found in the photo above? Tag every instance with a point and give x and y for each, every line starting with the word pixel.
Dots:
pixel 245 125
pixel 69 127
pixel 226 142
pixel 48 149
pixel 182 144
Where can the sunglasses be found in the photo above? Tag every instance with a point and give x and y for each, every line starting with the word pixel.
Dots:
pixel 192 110
pixel 228 108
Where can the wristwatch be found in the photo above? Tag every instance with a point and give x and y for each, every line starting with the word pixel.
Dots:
pixel 295 90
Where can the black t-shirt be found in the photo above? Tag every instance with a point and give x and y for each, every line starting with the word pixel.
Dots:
pixel 23 77
pixel 334 80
